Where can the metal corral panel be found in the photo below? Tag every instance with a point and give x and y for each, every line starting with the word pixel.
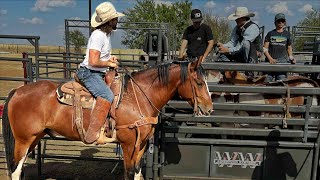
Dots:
pixel 261 163
pixel 187 160
pixel 234 162
pixel 290 163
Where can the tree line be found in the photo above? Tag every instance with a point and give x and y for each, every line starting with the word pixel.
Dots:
pixel 177 17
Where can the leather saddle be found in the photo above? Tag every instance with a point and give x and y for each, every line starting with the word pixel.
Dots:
pixel 67 92
pixel 73 93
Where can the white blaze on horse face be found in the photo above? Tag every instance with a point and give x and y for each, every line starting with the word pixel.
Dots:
pixel 205 81
pixel 17 173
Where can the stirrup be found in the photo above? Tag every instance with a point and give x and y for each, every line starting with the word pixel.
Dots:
pixel 103 139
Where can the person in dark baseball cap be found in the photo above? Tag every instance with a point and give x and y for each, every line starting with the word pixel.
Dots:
pixel 196 15
pixel 277 48
pixel 279 16
pixel 197 38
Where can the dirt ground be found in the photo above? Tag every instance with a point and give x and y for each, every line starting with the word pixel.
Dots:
pixel 104 164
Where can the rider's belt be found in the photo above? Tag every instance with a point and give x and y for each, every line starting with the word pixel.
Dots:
pixel 94 71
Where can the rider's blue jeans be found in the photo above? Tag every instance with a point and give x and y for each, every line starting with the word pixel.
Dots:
pixel 94 82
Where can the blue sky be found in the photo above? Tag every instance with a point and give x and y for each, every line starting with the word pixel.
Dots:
pixel 45 18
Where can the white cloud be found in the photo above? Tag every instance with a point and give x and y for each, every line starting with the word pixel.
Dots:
pixel 3 12
pixel 210 4
pixel 280 7
pixel 47 5
pixel 34 20
pixel 229 8
pixel 159 2
pixel 306 8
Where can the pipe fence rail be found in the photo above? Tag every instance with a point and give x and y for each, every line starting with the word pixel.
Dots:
pixel 26 62
pixel 186 146
pixel 221 144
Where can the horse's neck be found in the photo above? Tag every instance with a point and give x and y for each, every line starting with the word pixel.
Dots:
pixel 157 93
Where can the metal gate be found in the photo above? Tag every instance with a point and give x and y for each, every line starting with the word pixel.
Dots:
pixel 189 147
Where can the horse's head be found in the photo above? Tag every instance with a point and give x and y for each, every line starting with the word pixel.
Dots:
pixel 194 88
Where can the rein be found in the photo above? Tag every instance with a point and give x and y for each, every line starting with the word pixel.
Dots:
pixel 195 105
pixel 149 120
pixel 142 120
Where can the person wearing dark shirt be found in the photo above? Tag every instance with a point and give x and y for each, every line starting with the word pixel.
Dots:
pixel 277 47
pixel 197 38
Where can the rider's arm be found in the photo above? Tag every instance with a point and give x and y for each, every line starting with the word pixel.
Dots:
pixel 266 49
pixel 94 60
pixel 291 58
pixel 233 40
pixel 266 52
pixel 290 54
pixel 208 50
pixel 183 47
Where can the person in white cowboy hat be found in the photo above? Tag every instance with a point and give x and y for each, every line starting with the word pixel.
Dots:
pixel 245 45
pixel 197 38
pixel 278 47
pixel 97 61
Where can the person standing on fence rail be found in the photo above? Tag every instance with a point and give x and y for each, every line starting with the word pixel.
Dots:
pixel 97 61
pixel 245 44
pixel 197 38
pixel 277 47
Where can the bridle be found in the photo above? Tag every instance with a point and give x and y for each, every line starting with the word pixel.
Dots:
pixel 195 94
pixel 150 120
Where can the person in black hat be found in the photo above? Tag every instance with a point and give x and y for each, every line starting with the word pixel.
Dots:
pixel 197 38
pixel 277 47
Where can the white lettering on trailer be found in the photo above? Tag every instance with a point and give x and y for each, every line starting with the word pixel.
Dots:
pixel 237 159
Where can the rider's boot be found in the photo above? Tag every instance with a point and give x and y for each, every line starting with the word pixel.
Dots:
pixel 97 119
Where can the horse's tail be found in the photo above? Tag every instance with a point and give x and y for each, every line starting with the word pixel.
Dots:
pixel 7 135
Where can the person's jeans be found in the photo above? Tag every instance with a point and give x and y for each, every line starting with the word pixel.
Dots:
pixel 278 76
pixel 94 82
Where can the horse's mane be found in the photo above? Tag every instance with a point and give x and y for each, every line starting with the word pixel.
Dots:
pixel 163 72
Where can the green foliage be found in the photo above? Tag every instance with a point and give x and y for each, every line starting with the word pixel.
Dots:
pixel 312 19
pixel 77 39
pixel 174 17
pixel 220 26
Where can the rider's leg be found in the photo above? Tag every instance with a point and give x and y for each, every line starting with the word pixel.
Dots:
pixel 97 119
pixel 95 83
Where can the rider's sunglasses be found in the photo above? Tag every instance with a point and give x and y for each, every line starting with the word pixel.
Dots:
pixel 281 20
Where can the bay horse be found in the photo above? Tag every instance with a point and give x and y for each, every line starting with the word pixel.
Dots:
pixel 32 110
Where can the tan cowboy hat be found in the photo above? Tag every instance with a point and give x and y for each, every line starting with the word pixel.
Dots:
pixel 239 13
pixel 104 13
